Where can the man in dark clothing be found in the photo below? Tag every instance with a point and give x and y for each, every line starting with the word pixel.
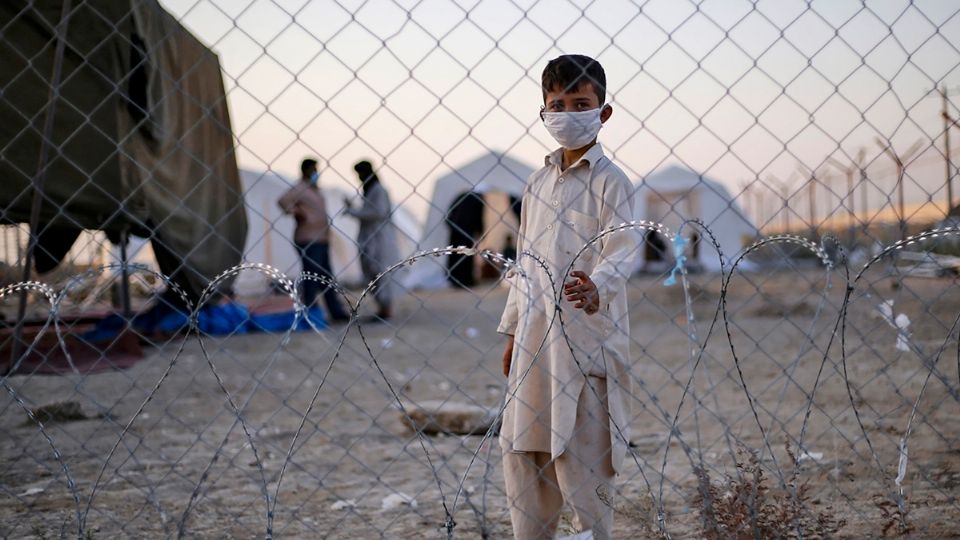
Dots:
pixel 306 203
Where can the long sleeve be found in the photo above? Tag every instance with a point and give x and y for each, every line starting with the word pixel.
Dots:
pixel 511 312
pixel 288 201
pixel 618 250
pixel 308 207
pixel 376 207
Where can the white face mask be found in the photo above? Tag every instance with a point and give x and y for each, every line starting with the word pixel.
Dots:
pixel 573 130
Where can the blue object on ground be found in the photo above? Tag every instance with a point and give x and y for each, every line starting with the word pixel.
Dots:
pixel 214 320
pixel 281 322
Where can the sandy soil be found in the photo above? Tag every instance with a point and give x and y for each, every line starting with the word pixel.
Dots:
pixel 354 452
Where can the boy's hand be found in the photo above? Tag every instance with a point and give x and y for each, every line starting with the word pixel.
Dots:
pixel 583 291
pixel 507 356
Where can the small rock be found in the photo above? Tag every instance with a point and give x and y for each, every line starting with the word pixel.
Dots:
pixel 811 456
pixel 61 411
pixel 585 535
pixel 649 441
pixel 395 500
pixel 433 417
pixel 344 504
pixel 783 310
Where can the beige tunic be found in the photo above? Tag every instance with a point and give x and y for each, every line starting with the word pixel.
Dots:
pixel 309 208
pixel 561 212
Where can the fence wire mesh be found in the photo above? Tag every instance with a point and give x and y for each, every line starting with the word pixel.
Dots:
pixel 179 362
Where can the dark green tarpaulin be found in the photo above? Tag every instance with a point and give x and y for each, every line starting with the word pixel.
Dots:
pixel 141 133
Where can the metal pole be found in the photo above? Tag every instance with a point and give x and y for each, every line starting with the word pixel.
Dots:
pixel 268 238
pixel 903 214
pixel 900 160
pixel 946 148
pixel 864 206
pixel 812 196
pixel 850 209
pixel 124 275
pixel 53 96
pixel 758 195
pixel 747 210
pixel 785 194
pixel 19 244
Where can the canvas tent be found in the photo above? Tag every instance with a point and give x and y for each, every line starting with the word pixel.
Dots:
pixel 141 141
pixel 675 194
pixel 490 174
pixel 270 233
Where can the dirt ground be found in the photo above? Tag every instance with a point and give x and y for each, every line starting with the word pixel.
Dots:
pixel 354 453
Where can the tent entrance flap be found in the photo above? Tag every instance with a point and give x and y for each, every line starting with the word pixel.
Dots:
pixel 488 220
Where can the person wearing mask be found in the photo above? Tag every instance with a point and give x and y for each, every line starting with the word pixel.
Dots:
pixel 306 203
pixel 565 397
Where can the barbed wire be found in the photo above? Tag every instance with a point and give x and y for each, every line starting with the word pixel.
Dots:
pixel 756 92
pixel 450 523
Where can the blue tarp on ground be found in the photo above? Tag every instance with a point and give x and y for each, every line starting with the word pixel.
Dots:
pixel 214 320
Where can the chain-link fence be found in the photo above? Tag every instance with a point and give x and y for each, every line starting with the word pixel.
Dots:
pixel 205 335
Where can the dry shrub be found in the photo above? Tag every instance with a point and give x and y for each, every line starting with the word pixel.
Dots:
pixel 894 518
pixel 744 507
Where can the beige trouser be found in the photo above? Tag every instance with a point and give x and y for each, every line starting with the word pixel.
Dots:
pixel 582 476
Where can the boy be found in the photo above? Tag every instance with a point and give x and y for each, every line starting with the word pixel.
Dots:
pixel 558 437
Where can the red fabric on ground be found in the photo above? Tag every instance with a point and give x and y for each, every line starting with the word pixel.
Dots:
pixel 269 304
pixel 48 358
pixel 121 352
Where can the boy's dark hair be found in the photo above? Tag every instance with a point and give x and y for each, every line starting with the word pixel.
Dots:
pixel 570 72
pixel 306 165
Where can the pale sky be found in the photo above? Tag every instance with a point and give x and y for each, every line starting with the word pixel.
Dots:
pixel 734 89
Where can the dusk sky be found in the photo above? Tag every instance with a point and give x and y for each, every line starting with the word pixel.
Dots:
pixel 737 90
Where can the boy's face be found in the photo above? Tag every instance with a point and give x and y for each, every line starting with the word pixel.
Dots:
pixel 579 99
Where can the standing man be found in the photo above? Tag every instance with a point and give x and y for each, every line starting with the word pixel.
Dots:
pixel 308 207
pixel 377 239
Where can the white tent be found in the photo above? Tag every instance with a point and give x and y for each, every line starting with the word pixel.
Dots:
pixel 490 173
pixel 270 232
pixel 675 194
